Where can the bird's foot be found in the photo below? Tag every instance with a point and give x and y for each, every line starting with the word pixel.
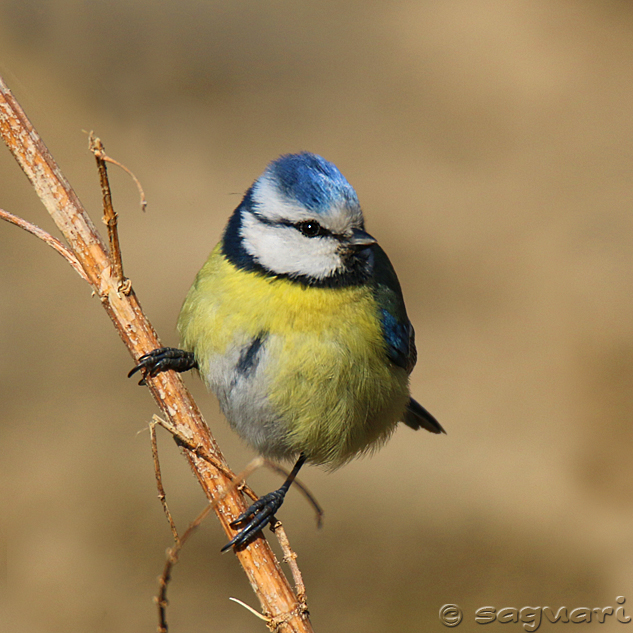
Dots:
pixel 257 517
pixel 162 359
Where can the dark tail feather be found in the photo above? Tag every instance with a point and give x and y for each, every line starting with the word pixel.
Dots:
pixel 417 417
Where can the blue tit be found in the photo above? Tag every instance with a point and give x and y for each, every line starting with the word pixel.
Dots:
pixel 297 323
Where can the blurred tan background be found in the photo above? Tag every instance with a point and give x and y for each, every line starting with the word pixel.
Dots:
pixel 491 145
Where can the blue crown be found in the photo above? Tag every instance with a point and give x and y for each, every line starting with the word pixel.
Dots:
pixel 312 181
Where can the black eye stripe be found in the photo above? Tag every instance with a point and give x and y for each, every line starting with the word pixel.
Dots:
pixel 309 228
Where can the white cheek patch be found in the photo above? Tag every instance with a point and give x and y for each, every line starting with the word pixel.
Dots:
pixel 285 251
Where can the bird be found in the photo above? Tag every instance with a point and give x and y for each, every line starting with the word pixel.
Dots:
pixel 297 323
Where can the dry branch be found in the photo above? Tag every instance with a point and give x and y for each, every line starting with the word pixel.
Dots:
pixel 109 216
pixel 174 553
pixel 284 612
pixel 53 242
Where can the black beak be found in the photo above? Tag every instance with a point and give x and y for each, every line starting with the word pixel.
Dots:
pixel 361 239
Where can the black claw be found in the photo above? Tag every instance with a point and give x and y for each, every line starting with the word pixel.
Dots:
pixel 162 359
pixel 261 514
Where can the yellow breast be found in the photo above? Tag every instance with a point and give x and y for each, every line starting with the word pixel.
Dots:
pixel 328 376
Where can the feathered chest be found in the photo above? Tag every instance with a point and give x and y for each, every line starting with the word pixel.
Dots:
pixel 226 303
pixel 296 369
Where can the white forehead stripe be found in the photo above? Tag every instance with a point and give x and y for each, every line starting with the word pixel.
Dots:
pixel 275 207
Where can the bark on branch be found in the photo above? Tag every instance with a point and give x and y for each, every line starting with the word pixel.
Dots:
pixel 284 612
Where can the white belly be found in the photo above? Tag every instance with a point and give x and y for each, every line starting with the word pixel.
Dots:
pixel 241 380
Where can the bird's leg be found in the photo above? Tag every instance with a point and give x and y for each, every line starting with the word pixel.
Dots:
pixel 162 359
pixel 262 512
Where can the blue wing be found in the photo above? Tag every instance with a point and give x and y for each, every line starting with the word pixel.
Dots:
pixel 396 327
pixel 399 335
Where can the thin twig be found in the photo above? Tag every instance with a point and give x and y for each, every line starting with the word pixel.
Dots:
pixel 110 218
pixel 173 553
pixel 103 156
pixel 200 452
pixel 249 608
pixel 159 480
pixel 46 237
pixel 290 558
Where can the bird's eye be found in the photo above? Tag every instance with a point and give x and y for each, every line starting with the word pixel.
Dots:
pixel 310 228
